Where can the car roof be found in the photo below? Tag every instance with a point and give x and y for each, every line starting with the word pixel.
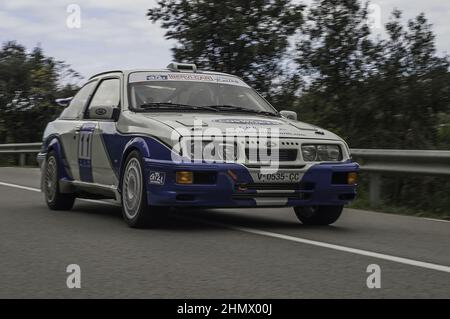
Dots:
pixel 128 71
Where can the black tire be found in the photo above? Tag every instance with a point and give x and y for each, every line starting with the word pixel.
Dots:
pixel 318 215
pixel 135 209
pixel 53 197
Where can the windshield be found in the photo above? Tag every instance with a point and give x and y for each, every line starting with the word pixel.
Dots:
pixel 192 95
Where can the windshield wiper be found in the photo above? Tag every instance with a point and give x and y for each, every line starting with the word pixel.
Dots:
pixel 241 109
pixel 215 108
pixel 168 105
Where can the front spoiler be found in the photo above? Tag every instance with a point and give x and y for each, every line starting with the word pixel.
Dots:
pixel 314 188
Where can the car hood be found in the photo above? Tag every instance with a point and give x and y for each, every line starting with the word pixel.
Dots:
pixel 200 122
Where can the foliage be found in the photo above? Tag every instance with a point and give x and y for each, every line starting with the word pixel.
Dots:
pixel 419 196
pixel 29 84
pixel 377 93
pixel 244 38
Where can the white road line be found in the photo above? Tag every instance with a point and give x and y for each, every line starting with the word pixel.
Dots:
pixel 356 251
pixel 21 187
pixel 437 220
pixel 38 190
pixel 362 252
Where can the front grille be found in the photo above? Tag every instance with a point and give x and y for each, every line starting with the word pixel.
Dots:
pixel 301 191
pixel 284 155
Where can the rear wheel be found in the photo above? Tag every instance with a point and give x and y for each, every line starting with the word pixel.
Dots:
pixel 53 197
pixel 135 209
pixel 318 215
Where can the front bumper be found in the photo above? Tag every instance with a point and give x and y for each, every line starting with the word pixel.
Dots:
pixel 317 186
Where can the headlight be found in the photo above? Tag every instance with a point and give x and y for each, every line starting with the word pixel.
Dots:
pixel 309 153
pixel 321 153
pixel 212 151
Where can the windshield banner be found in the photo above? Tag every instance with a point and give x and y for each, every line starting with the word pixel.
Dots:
pixel 192 77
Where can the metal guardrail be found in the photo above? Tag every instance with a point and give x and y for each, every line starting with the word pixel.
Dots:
pixel 21 149
pixel 374 161
pixel 403 161
pixel 413 162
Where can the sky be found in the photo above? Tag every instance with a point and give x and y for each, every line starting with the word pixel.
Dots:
pixel 115 34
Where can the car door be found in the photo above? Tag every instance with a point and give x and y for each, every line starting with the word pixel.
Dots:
pixel 69 124
pixel 94 162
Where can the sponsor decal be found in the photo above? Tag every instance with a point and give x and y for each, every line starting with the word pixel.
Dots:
pixel 174 76
pixel 229 80
pixel 100 111
pixel 157 178
pixel 247 122
pixel 190 77
pixel 157 77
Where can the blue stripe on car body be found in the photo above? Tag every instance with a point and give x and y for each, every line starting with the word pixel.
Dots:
pixel 85 151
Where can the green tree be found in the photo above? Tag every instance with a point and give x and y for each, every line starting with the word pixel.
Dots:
pixel 411 88
pixel 29 84
pixel 247 38
pixel 337 55
pixel 377 93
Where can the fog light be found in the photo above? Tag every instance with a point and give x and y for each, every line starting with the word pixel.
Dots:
pixel 185 177
pixel 242 187
pixel 352 178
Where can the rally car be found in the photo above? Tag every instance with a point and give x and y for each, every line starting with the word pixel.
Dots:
pixel 182 137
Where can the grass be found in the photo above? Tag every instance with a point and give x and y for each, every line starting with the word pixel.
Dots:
pixel 362 202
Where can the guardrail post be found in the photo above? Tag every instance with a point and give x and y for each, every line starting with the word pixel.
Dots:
pixel 22 159
pixel 374 189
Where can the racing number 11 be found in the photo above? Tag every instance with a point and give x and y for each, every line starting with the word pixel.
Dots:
pixel 85 145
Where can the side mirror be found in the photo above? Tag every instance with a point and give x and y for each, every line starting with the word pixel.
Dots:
pixel 97 112
pixel 64 102
pixel 289 115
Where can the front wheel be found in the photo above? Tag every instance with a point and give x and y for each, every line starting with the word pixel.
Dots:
pixel 318 215
pixel 135 209
pixel 53 197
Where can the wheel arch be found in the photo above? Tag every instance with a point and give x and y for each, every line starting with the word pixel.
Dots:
pixel 136 144
pixel 54 144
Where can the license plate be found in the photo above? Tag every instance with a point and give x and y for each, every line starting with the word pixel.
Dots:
pixel 279 177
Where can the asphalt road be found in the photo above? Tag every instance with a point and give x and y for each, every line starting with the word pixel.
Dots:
pixel 259 253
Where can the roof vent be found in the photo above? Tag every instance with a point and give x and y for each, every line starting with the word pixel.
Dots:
pixel 182 67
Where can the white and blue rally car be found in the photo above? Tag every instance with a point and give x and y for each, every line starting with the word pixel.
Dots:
pixel 181 137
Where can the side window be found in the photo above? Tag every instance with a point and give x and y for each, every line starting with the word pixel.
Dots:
pixel 107 94
pixel 75 109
